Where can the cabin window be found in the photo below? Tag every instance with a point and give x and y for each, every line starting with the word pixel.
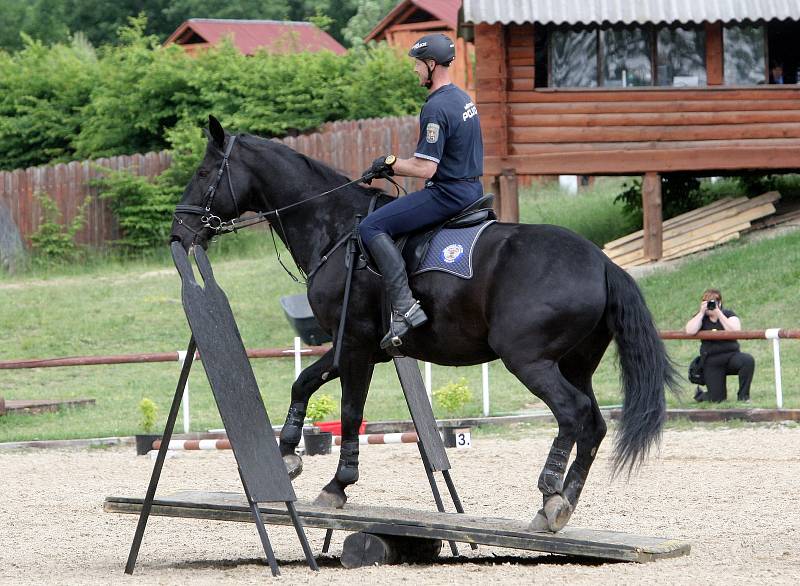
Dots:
pixel 745 54
pixel 573 58
pixel 627 59
pixel 622 56
pixel 681 57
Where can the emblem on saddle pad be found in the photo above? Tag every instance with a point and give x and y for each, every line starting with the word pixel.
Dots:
pixel 451 253
pixel 450 250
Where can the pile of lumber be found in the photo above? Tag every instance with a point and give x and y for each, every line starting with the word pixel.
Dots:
pixel 702 228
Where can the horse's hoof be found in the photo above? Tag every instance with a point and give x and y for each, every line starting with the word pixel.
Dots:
pixel 557 510
pixel 539 523
pixel 294 465
pixel 330 500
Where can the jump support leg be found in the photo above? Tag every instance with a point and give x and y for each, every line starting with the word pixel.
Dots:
pixel 162 455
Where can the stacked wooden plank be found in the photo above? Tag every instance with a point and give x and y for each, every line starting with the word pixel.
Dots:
pixel 706 227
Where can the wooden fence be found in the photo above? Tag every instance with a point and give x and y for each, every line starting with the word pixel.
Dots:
pixel 348 146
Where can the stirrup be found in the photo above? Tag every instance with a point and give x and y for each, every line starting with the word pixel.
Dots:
pixel 412 318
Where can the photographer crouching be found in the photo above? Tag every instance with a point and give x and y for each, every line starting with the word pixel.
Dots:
pixel 720 357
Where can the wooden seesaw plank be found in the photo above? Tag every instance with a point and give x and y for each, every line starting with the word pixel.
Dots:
pixel 609 545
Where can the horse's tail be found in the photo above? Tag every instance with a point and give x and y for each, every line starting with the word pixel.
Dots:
pixel 645 369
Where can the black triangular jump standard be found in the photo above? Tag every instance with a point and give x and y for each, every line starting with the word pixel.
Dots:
pixel 214 332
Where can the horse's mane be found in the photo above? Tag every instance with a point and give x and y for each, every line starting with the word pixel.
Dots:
pixel 325 172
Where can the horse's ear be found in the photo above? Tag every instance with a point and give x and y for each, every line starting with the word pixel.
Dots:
pixel 217 132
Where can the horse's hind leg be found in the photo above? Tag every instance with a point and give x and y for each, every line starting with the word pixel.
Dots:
pixel 571 408
pixel 309 381
pixel 578 366
pixel 356 372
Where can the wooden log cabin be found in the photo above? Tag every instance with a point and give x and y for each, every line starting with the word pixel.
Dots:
pixel 638 87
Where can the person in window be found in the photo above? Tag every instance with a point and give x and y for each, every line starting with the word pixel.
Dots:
pixel 776 73
pixel 722 357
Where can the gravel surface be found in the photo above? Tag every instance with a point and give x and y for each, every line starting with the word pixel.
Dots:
pixel 734 494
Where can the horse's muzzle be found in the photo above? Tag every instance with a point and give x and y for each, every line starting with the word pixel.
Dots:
pixel 189 236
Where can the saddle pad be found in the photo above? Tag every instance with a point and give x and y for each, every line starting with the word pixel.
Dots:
pixel 450 250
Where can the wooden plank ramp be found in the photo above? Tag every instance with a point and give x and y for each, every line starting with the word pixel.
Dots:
pixel 224 506
pixel 719 222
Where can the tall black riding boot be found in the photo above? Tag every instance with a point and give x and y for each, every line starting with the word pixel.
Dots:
pixel 406 311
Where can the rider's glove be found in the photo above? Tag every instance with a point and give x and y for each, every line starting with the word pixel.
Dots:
pixel 381 167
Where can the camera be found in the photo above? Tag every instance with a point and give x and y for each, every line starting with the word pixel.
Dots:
pixel 711 304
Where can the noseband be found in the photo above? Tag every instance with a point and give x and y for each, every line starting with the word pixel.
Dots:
pixel 208 219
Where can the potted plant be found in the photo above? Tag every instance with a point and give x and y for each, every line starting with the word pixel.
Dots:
pixel 452 398
pixel 318 441
pixel 147 422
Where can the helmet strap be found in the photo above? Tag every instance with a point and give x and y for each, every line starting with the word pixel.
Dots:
pixel 429 82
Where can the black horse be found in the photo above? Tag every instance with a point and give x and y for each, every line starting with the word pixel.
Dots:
pixel 544 300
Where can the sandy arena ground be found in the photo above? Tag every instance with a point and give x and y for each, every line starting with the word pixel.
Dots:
pixel 734 494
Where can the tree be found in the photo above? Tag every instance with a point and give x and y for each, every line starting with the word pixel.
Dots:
pixel 368 14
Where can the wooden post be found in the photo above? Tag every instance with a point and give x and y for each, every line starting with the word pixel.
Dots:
pixel 652 219
pixel 715 73
pixel 509 196
pixel 2 405
pixel 491 184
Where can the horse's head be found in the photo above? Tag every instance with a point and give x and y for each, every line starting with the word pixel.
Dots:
pixel 219 190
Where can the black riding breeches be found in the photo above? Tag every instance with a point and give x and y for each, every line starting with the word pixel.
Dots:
pixel 717 366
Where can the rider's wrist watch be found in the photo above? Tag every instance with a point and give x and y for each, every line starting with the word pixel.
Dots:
pixel 390 160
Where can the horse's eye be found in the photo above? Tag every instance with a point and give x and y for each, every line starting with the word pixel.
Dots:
pixel 202 173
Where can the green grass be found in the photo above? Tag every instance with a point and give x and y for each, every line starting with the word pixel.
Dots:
pixel 110 307
pixel 591 212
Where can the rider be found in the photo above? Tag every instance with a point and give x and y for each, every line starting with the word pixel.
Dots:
pixel 449 154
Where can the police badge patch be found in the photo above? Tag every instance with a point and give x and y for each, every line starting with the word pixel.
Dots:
pixel 432 132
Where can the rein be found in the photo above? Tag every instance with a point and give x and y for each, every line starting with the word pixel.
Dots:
pixel 219 226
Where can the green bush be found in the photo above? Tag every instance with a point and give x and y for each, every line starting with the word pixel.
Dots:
pixel 320 407
pixel 42 92
pixel 453 396
pixel 72 102
pixel 53 241
pixel 147 415
pixel 679 193
pixel 143 208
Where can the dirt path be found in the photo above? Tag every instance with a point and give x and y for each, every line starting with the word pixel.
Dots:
pixel 733 493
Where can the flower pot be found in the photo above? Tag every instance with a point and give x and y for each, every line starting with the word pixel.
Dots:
pixel 319 443
pixel 335 427
pixel 144 442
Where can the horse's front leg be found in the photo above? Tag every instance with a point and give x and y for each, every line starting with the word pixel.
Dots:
pixel 311 379
pixel 356 373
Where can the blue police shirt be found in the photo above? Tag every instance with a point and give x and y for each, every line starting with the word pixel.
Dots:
pixel 450 134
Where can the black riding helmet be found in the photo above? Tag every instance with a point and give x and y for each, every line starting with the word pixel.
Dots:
pixel 435 47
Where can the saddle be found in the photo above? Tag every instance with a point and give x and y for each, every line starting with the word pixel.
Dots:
pixel 414 245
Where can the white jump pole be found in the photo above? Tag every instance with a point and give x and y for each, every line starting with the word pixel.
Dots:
pixel 772 334
pixel 185 400
pixel 298 364
pixel 485 373
pixel 429 381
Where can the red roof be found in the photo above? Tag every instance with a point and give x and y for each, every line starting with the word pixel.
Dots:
pixel 276 36
pixel 446 10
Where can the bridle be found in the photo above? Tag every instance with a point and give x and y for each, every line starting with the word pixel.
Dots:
pixel 219 226
pixel 208 219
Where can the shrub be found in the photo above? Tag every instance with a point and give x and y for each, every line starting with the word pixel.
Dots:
pixel 320 407
pixel 147 415
pixel 453 396
pixel 53 241
pixel 679 193
pixel 143 208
